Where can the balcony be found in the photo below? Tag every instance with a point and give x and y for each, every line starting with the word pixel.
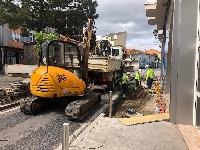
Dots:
pixel 151 1
pixel 151 20
pixel 150 8
pixel 155 11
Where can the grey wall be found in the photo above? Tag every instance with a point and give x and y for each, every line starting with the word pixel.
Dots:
pixel 184 62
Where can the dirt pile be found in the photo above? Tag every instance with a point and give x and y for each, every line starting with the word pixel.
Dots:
pixel 141 101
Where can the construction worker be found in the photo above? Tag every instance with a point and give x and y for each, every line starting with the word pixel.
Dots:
pixel 125 81
pixel 137 78
pixel 149 77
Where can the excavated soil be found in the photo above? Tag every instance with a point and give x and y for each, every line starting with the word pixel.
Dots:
pixel 141 101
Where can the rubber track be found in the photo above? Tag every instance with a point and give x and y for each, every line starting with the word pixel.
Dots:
pixel 26 105
pixel 78 109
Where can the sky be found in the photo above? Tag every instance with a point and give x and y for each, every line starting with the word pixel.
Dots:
pixel 126 15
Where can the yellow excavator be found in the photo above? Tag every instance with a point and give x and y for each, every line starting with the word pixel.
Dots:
pixel 63 75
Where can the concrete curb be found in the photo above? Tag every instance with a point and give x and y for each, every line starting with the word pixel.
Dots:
pixel 4 107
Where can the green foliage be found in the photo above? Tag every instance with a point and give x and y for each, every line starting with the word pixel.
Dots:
pixel 156 57
pixel 41 38
pixel 39 14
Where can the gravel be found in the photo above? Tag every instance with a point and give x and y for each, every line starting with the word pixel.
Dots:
pixel 11 120
pixel 44 138
pixel 19 131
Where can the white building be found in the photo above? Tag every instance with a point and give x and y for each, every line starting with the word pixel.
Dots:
pixel 116 39
pixel 135 59
pixel 178 20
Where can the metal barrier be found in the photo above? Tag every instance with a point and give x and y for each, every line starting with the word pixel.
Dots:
pixel 110 103
pixel 65 140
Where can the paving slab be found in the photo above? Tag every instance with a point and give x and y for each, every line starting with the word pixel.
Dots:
pixel 111 134
pixel 191 136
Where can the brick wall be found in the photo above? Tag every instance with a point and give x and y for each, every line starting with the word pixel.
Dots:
pixel 31 58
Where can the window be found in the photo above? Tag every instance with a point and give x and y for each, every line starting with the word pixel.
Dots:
pixel 61 54
pixel 115 52
pixel 111 38
pixel 15 36
pixel 11 57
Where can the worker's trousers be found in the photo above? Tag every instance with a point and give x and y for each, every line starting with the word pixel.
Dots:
pixel 124 88
pixel 149 83
pixel 137 83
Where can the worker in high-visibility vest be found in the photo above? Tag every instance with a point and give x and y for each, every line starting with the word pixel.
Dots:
pixel 149 77
pixel 137 78
pixel 125 81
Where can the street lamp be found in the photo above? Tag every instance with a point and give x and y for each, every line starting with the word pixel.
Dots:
pixel 155 33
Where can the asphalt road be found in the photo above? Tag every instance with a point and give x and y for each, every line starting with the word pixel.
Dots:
pixel 5 80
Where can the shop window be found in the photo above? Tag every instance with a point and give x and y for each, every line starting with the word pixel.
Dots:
pixel 11 57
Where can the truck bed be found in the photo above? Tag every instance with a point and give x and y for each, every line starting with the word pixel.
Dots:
pixel 100 63
pixel 105 64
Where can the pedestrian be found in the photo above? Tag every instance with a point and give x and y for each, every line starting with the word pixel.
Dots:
pixel 149 77
pixel 125 81
pixel 137 78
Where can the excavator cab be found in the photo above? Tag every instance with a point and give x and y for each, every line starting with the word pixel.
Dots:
pixel 62 54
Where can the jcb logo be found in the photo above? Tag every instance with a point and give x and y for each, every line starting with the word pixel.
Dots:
pixel 61 77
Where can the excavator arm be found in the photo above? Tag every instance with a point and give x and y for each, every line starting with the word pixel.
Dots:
pixel 89 42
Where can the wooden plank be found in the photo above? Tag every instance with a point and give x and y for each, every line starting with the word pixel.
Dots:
pixel 144 119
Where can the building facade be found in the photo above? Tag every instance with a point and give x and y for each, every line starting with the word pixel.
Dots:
pixel 137 59
pixel 153 51
pixel 178 20
pixel 116 39
pixel 12 46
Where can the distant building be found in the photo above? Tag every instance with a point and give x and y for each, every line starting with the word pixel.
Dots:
pixel 12 46
pixel 134 59
pixel 153 51
pixel 116 39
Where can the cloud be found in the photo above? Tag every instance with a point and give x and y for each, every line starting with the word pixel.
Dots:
pixel 143 43
pixel 125 15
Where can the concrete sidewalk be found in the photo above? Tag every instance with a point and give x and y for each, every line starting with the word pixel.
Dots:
pixel 111 134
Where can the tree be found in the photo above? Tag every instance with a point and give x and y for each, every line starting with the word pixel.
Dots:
pixel 39 14
pixel 156 57
pixel 78 16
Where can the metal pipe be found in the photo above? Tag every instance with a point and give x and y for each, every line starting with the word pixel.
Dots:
pixel 110 110
pixel 65 140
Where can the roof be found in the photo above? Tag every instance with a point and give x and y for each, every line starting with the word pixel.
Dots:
pixel 152 51
pixel 111 34
pixel 134 51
